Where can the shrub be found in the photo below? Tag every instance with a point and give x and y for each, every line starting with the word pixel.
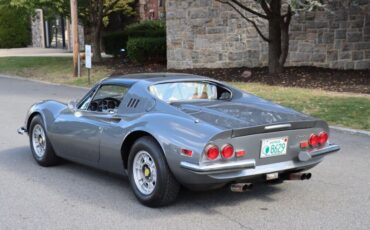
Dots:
pixel 146 29
pixel 114 42
pixel 14 27
pixel 149 49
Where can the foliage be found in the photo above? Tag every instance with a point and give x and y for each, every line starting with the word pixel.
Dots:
pixel 147 41
pixel 147 49
pixel 147 29
pixel 114 42
pixel 14 27
pixel 92 13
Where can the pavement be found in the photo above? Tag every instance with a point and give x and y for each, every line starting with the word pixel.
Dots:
pixel 34 52
pixel 72 196
pixel 39 52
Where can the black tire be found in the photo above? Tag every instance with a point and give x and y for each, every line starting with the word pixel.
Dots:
pixel 49 158
pixel 166 188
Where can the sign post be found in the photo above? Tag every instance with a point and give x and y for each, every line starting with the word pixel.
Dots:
pixel 88 64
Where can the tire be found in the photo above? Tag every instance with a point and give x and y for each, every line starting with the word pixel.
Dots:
pixel 44 155
pixel 165 189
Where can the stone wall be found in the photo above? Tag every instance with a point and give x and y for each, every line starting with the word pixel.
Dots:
pixel 37 27
pixel 208 34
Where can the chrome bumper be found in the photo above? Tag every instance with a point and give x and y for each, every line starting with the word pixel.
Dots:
pixel 303 156
pixel 217 168
pixel 22 130
pixel 308 155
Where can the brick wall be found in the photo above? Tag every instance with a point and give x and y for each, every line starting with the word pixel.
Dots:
pixel 208 34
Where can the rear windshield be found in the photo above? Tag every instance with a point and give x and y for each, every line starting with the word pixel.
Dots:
pixel 188 91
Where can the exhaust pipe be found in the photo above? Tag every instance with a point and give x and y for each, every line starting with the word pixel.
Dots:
pixel 299 176
pixel 241 187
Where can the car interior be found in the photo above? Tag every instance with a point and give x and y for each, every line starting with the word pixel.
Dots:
pixel 105 99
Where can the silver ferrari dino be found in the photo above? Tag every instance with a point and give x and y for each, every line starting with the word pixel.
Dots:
pixel 166 130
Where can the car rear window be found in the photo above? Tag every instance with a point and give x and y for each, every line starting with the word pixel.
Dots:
pixel 188 91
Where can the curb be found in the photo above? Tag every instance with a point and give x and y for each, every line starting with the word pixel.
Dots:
pixel 351 131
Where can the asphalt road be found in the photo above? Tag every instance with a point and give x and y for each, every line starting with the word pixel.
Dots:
pixel 71 196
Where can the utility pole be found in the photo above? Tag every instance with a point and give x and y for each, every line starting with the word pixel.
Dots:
pixel 76 45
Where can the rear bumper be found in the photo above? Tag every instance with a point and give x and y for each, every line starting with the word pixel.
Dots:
pixel 247 169
pixel 308 155
pixel 22 130
pixel 251 164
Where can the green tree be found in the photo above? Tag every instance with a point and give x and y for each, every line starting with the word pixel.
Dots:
pixel 94 12
pixel 278 14
pixel 91 12
pixel 14 27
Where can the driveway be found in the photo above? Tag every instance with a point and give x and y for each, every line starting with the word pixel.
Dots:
pixel 71 196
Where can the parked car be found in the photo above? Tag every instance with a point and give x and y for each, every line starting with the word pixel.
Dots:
pixel 169 130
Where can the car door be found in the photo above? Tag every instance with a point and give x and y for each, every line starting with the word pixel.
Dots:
pixel 77 132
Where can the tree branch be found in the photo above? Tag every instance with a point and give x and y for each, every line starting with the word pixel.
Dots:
pixel 249 20
pixel 266 8
pixel 243 7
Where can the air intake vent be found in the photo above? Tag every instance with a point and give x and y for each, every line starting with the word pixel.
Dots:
pixel 133 103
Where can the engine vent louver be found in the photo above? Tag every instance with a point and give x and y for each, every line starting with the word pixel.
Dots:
pixel 133 103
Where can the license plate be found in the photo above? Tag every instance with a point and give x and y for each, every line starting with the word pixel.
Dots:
pixel 274 147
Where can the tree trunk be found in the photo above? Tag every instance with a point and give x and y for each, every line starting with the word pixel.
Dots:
pixel 96 20
pixel 95 39
pixel 284 45
pixel 274 47
pixel 275 37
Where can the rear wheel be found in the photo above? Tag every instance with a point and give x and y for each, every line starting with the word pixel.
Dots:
pixel 150 178
pixel 41 148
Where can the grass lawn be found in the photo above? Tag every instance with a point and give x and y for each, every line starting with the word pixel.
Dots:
pixel 348 110
pixel 51 69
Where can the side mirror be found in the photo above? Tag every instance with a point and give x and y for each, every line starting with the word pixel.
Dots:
pixel 72 105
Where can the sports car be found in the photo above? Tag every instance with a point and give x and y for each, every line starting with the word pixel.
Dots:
pixel 166 130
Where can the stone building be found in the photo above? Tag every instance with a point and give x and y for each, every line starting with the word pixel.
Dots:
pixel 151 9
pixel 53 33
pixel 208 34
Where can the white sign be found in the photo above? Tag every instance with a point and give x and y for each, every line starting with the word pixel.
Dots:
pixel 88 56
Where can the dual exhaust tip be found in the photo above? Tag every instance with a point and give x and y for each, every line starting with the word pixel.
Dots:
pixel 299 176
pixel 243 187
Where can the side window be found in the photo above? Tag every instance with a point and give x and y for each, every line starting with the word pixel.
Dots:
pixel 106 99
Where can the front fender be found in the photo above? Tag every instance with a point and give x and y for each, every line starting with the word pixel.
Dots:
pixel 48 110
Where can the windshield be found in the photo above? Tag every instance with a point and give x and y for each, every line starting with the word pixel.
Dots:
pixel 187 91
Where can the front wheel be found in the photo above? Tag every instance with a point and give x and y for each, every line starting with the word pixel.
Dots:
pixel 150 178
pixel 41 148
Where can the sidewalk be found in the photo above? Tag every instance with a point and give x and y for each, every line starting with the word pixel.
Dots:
pixel 34 52
pixel 39 52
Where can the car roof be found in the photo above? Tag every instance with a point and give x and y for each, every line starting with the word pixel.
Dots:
pixel 151 78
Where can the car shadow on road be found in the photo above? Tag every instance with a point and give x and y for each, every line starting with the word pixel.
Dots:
pixel 82 184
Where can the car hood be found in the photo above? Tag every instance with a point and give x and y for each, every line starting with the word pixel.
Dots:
pixel 235 115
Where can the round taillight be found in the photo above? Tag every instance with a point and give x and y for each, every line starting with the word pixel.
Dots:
pixel 323 138
pixel 227 151
pixel 314 140
pixel 212 152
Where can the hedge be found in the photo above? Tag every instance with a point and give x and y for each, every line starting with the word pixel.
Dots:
pixel 150 49
pixel 147 29
pixel 14 27
pixel 114 42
